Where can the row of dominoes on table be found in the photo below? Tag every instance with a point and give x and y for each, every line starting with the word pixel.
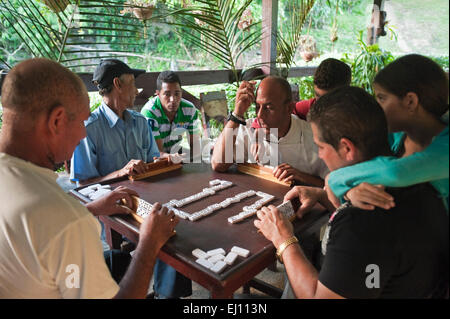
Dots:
pixel 216 260
pixel 144 208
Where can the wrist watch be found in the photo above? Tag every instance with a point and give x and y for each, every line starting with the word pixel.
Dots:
pixel 236 119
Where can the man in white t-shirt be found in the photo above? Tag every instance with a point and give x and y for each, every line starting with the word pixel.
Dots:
pixel 284 141
pixel 49 243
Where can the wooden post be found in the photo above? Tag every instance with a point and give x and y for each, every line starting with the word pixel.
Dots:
pixel 269 35
pixel 376 27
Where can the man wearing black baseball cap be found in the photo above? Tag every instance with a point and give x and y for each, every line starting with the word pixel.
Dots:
pixel 109 69
pixel 119 141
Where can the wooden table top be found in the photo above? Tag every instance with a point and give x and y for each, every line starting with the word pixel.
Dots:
pixel 213 231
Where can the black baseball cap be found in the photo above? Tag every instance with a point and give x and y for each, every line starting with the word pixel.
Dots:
pixel 108 69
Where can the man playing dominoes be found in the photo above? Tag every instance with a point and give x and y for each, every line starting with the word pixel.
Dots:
pixel 286 140
pixel 397 253
pixel 329 75
pixel 119 141
pixel 49 243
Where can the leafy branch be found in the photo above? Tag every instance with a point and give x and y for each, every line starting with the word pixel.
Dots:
pixel 217 29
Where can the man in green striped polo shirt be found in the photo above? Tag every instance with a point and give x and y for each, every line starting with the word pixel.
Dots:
pixel 172 116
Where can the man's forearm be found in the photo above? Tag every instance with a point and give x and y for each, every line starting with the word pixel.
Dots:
pixel 310 180
pixel 302 275
pixel 325 202
pixel 115 174
pixel 218 159
pixel 136 281
pixel 195 147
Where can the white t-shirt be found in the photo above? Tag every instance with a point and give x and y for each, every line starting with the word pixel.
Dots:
pixel 296 148
pixel 49 243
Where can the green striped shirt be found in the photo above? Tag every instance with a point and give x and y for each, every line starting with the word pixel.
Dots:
pixel 186 120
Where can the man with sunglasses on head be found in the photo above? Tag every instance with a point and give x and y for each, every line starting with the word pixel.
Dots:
pixel 282 137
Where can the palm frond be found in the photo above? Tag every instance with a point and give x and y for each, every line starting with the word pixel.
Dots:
pixel 214 26
pixel 91 25
pixel 290 34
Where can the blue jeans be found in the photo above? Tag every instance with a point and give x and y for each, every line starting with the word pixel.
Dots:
pixel 169 283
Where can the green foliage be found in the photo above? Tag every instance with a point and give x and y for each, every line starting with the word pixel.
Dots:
pixel 367 63
pixel 289 34
pixel 215 128
pixel 324 11
pixel 214 26
pixel 95 100
pixel 442 61
pixel 80 34
pixel 305 87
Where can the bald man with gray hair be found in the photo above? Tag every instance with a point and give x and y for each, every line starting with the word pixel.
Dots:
pixel 49 243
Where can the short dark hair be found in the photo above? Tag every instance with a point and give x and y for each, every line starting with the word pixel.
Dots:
pixel 332 73
pixel 418 74
pixel 167 77
pixel 352 113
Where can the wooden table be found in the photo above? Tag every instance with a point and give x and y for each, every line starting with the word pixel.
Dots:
pixel 210 232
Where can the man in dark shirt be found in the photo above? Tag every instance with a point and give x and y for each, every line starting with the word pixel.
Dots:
pixel 399 253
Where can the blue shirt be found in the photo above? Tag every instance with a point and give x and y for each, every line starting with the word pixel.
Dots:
pixel 111 143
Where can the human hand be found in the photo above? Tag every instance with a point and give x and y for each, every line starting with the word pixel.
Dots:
pixel 110 203
pixel 308 196
pixel 367 196
pixel 273 225
pixel 171 158
pixel 245 96
pixel 257 150
pixel 286 173
pixel 133 167
pixel 157 227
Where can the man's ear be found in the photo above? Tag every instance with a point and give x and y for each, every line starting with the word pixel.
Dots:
pixel 157 92
pixel 411 102
pixel 117 83
pixel 56 120
pixel 348 150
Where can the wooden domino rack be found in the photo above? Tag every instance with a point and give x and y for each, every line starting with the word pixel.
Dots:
pixel 156 168
pixel 260 172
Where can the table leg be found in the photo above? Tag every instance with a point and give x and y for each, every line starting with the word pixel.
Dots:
pixel 113 238
pixel 221 294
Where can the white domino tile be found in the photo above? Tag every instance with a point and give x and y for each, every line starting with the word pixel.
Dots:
pixel 262 194
pixel 240 251
pixel 204 263
pixel 99 193
pixel 234 200
pixel 216 258
pixel 217 185
pixel 214 182
pixel 235 219
pixel 218 267
pixel 230 258
pixel 86 191
pixel 216 252
pixel 197 252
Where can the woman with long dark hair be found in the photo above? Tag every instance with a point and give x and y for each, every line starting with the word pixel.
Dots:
pixel 413 92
